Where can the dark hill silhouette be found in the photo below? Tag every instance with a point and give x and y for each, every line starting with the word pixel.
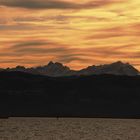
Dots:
pixel 59 70
pixel 24 94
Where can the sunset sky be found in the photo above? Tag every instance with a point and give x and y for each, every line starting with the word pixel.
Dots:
pixel 77 33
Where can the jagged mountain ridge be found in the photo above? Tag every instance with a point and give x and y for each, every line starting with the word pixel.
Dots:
pixel 58 69
pixel 117 68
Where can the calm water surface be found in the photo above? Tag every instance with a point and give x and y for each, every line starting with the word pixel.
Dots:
pixel 69 129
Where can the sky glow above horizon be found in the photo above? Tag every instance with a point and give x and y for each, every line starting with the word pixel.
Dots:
pixel 77 33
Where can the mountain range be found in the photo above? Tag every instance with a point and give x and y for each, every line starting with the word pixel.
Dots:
pixel 56 69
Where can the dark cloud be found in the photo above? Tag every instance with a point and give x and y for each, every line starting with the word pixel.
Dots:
pixel 19 26
pixel 40 47
pixel 57 18
pixel 40 50
pixel 66 59
pixel 39 4
pixel 31 43
pixel 55 4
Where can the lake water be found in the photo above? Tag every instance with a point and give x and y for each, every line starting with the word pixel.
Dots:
pixel 69 129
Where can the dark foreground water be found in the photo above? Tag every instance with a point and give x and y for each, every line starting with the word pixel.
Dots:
pixel 69 129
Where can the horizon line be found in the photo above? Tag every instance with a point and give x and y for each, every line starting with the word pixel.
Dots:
pixel 54 62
